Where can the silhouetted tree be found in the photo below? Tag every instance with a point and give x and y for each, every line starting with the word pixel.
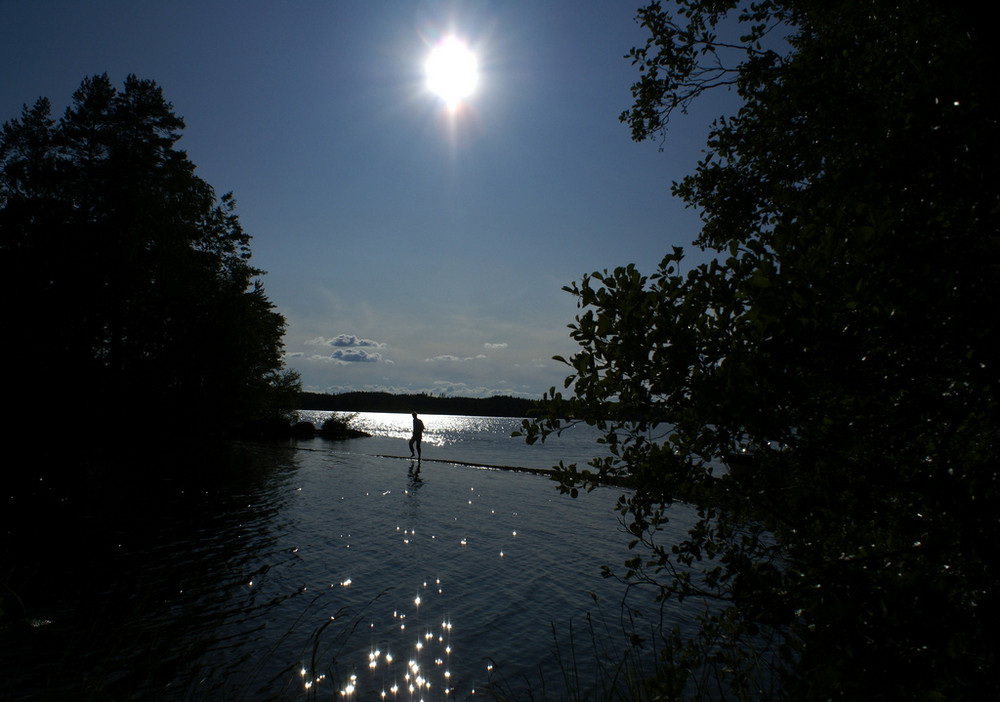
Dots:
pixel 129 280
pixel 840 353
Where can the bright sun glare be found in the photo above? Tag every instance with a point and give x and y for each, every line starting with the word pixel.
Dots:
pixel 452 71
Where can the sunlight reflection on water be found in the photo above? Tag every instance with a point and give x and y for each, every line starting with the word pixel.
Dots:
pixel 484 440
pixel 440 429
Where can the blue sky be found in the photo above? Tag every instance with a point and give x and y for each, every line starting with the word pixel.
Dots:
pixel 410 249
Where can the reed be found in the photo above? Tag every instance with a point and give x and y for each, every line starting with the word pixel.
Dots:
pixel 603 662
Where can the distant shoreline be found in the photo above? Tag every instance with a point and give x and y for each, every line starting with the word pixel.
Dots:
pixel 496 406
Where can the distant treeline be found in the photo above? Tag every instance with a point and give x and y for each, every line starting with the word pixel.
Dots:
pixel 497 406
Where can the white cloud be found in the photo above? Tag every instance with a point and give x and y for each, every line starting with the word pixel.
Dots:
pixel 355 356
pixel 344 341
pixel 448 358
pixel 351 341
pixel 501 345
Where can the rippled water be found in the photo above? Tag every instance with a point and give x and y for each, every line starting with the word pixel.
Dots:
pixel 330 568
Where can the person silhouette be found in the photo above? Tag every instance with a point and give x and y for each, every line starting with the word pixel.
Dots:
pixel 418 434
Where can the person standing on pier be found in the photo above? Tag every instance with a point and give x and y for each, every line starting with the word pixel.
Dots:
pixel 418 433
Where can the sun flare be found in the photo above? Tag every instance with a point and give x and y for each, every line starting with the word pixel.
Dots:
pixel 452 71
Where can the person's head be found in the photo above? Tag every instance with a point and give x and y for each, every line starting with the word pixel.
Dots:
pixel 414 415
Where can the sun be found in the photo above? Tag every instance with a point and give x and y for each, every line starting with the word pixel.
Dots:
pixel 452 71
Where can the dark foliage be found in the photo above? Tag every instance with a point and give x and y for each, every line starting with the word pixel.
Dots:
pixel 132 300
pixel 842 345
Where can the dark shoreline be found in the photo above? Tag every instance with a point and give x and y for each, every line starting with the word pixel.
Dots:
pixel 496 406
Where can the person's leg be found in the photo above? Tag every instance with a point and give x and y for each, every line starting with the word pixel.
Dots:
pixel 411 445
pixel 418 448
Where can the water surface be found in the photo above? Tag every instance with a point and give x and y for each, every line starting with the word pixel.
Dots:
pixel 327 568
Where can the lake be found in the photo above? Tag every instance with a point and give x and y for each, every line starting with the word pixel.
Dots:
pixel 319 569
